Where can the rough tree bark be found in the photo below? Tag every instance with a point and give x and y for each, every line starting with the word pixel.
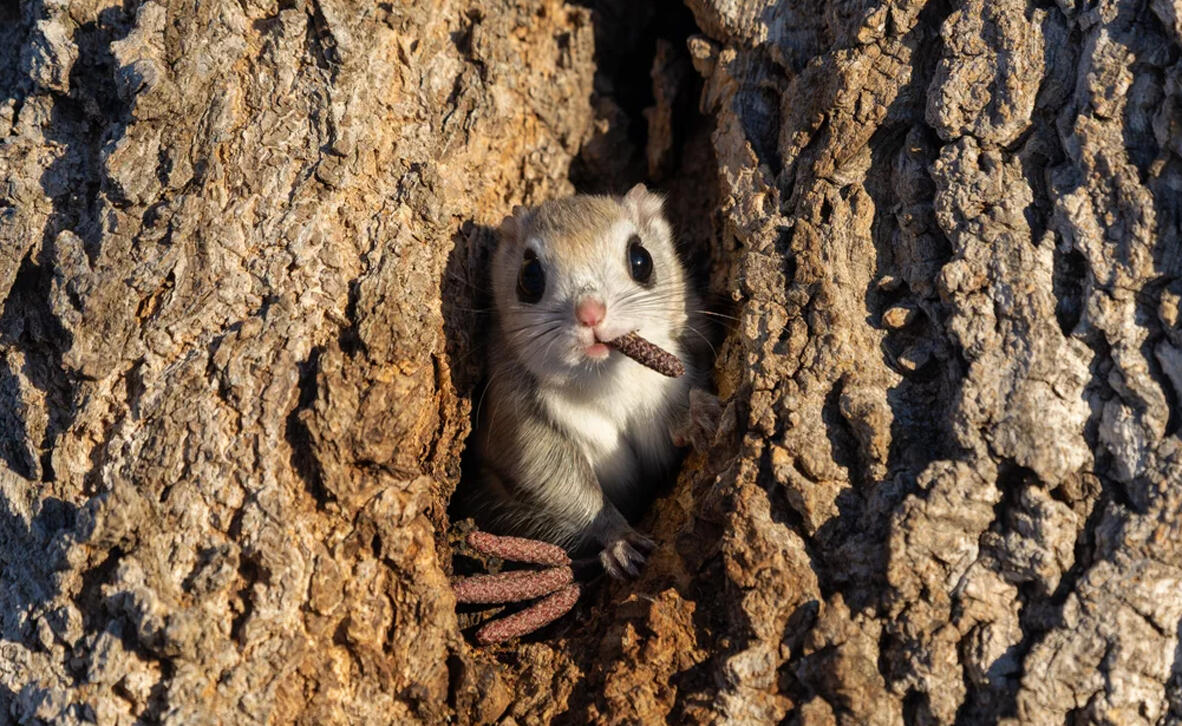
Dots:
pixel 241 247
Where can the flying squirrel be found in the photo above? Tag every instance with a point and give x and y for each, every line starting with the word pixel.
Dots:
pixel 572 436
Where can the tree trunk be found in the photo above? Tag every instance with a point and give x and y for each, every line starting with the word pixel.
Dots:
pixel 242 248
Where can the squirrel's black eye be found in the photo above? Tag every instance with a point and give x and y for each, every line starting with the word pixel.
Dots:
pixel 640 262
pixel 531 280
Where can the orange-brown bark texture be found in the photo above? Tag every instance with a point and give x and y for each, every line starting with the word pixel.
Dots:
pixel 242 271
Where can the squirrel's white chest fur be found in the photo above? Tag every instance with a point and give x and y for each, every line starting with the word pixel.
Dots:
pixel 621 423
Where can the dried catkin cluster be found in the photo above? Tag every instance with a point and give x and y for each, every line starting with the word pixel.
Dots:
pixel 543 612
pixel 511 586
pixel 518 549
pixel 556 582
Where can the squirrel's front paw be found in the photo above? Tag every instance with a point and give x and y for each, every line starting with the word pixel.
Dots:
pixel 624 555
pixel 700 422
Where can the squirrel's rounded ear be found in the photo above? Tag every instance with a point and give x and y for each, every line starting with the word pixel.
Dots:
pixel 509 228
pixel 645 205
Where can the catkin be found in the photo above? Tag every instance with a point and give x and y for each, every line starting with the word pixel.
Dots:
pixel 541 613
pixel 648 355
pixel 511 586
pixel 518 549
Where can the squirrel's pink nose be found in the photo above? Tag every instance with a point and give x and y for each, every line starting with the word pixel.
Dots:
pixel 590 312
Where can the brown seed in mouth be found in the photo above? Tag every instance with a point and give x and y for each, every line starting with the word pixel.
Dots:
pixel 648 355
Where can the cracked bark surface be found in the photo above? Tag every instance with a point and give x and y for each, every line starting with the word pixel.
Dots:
pixel 241 247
